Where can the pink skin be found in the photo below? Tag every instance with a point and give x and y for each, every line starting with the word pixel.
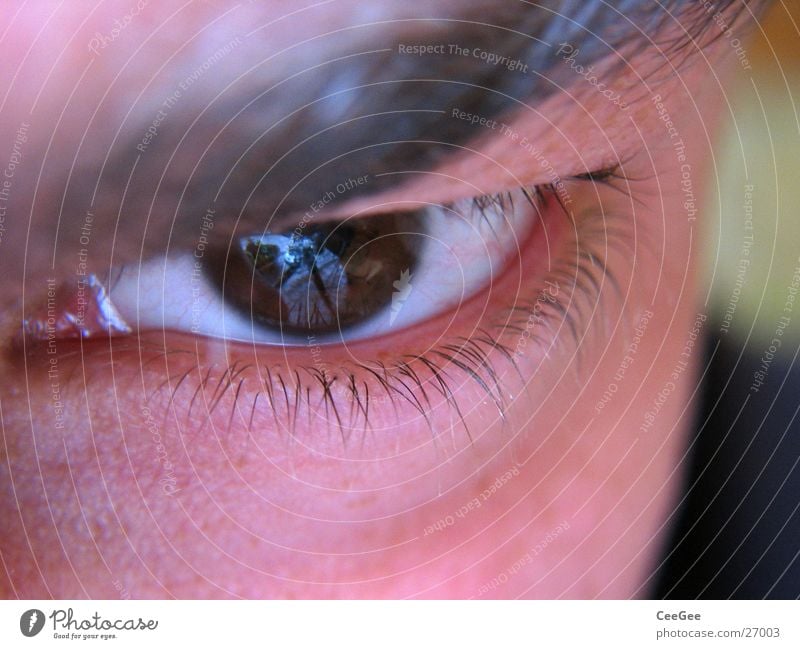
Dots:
pixel 230 507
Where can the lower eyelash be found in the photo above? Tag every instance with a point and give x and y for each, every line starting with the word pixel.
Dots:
pixel 344 398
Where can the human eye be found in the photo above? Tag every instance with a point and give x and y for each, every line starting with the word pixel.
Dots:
pixel 406 304
pixel 334 280
pixel 411 301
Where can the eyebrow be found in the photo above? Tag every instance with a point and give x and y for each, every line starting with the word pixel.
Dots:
pixel 271 148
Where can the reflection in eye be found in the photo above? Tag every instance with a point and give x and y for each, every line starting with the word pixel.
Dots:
pixel 326 277
pixel 350 279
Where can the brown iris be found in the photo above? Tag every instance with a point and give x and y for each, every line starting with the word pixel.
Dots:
pixel 320 278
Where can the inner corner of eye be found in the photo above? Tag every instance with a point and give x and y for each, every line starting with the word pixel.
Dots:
pixel 336 280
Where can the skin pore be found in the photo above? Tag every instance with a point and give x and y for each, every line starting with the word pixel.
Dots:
pixel 506 446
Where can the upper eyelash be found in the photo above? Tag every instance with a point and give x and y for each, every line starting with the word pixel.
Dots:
pixel 504 201
pixel 604 175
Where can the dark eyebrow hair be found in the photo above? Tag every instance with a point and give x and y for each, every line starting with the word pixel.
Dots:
pixel 272 147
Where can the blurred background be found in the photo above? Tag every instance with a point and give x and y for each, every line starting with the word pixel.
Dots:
pixel 760 147
pixel 737 532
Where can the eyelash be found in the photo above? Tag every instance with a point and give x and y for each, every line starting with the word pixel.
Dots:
pixel 410 378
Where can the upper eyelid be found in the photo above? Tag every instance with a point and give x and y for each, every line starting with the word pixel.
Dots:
pixel 600 166
pixel 604 175
pixel 406 197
